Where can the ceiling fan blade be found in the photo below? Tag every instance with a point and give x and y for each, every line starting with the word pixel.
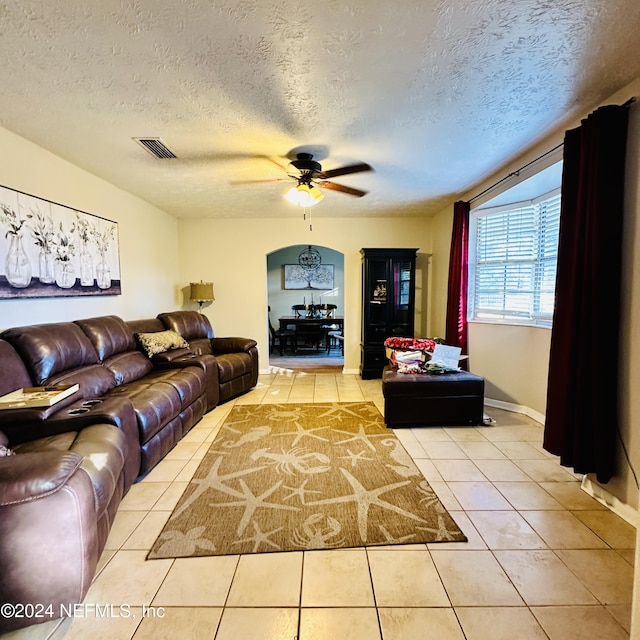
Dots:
pixel 258 181
pixel 273 160
pixel 343 171
pixel 340 187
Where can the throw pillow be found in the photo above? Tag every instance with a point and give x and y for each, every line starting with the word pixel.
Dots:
pixel 5 452
pixel 160 341
pixel 4 449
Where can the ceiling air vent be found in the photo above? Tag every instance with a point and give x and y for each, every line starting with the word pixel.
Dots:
pixel 156 147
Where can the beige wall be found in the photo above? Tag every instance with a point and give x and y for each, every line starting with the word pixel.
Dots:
pixel 233 254
pixel 148 238
pixel 623 484
pixel 513 360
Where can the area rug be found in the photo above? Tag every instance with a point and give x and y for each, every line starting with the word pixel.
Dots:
pixel 284 477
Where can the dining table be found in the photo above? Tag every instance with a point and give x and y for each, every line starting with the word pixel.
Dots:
pixel 312 330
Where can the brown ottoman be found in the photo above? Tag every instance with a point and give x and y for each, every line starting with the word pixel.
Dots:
pixel 418 400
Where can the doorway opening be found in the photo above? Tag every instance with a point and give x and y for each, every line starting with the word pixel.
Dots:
pixel 305 312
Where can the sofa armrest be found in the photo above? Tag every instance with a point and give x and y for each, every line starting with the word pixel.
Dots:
pixel 29 476
pixel 173 355
pixel 48 534
pixel 113 410
pixel 232 345
pixel 75 417
pixel 33 415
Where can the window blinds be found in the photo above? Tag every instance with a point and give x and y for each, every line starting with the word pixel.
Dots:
pixel 513 261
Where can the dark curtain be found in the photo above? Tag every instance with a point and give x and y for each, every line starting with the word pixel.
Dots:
pixel 456 325
pixel 581 416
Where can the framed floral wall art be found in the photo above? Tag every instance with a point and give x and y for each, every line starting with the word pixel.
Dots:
pixel 50 250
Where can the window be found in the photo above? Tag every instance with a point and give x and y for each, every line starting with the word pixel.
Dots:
pixel 513 250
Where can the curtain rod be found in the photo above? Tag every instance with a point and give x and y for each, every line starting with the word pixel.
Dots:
pixel 628 103
pixel 516 172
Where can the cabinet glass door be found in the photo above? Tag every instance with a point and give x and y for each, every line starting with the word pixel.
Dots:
pixel 402 287
pixel 378 301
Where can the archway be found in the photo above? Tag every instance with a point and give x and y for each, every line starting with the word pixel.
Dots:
pixel 293 280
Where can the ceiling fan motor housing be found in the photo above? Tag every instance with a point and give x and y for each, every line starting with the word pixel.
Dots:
pixel 305 164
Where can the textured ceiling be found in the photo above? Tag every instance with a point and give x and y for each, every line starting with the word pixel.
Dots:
pixel 434 94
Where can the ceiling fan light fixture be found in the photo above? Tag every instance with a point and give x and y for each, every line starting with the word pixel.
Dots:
pixel 304 195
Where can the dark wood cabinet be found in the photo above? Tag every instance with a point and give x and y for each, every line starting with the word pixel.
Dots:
pixel 388 303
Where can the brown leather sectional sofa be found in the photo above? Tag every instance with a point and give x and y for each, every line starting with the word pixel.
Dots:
pixel 77 459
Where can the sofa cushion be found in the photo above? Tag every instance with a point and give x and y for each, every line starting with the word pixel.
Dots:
pixel 161 396
pixel 129 366
pixel 190 325
pixel 145 325
pixel 50 349
pixel 189 383
pixel 160 341
pixel 155 404
pixel 14 373
pixel 94 380
pixel 109 335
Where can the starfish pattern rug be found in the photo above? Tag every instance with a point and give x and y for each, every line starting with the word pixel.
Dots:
pixel 284 477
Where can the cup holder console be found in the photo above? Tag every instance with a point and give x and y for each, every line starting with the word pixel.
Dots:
pixel 91 403
pixel 75 412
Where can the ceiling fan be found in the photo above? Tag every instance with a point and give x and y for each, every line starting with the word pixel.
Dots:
pixel 309 175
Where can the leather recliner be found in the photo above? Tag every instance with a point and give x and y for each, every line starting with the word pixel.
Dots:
pixel 236 358
pixel 58 499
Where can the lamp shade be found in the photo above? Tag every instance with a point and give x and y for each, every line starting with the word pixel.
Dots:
pixel 202 291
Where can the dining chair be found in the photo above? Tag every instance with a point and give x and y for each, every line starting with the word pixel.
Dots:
pixel 302 310
pixel 327 310
pixel 283 337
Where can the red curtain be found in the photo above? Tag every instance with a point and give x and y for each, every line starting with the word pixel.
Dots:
pixel 581 416
pixel 456 324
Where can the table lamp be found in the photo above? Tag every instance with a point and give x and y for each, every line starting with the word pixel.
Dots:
pixel 202 292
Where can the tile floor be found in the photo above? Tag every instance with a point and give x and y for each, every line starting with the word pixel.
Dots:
pixel 543 561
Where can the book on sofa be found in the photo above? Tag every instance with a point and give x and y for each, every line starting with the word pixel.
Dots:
pixel 37 396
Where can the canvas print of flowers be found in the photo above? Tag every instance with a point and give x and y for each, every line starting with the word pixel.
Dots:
pixel 50 250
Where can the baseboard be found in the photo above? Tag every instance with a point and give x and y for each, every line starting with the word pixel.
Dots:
pixel 516 408
pixel 625 511
pixel 352 372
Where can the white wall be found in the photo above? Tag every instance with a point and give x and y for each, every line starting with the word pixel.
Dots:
pixel 232 254
pixel 148 238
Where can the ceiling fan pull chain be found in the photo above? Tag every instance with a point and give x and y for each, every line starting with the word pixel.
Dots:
pixel 306 213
